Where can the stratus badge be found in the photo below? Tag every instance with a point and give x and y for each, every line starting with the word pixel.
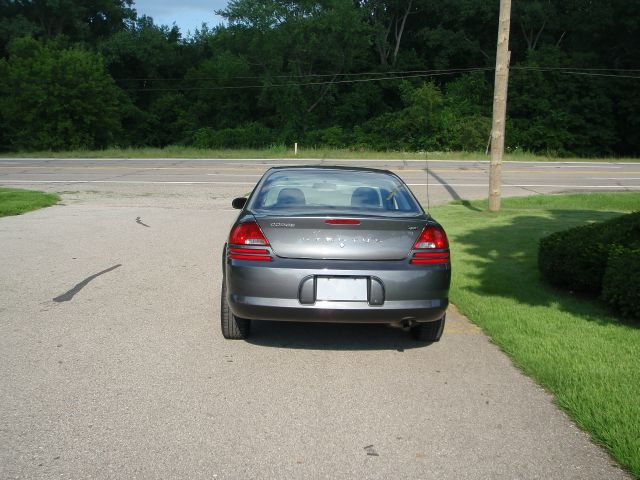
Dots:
pixel 283 225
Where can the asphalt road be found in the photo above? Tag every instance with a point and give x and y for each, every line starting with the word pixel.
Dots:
pixel 204 179
pixel 112 364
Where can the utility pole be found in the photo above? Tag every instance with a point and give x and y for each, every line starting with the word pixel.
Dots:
pixel 499 105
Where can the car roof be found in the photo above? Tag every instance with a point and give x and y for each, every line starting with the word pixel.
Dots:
pixel 330 167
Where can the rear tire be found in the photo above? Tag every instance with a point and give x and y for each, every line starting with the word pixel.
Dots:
pixel 430 331
pixel 233 328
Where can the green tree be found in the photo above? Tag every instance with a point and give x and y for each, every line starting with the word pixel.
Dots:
pixel 308 45
pixel 79 20
pixel 57 98
pixel 309 70
pixel 453 33
pixel 216 99
pixel 465 120
pixel 559 113
pixel 388 19
pixel 143 54
pixel 416 127
pixel 146 62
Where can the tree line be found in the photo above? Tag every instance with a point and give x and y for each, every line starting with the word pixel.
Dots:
pixel 363 74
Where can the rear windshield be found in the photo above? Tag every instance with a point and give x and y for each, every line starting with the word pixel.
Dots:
pixel 334 191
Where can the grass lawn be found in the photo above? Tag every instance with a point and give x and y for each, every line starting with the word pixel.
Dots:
pixel 572 346
pixel 15 202
pixel 280 151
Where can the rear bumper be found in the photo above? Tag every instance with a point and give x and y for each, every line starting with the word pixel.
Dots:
pixel 339 312
pixel 276 291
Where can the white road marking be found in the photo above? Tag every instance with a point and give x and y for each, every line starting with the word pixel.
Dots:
pixel 289 161
pixel 581 166
pixel 484 185
pixel 234 174
pixel 263 164
pixel 142 182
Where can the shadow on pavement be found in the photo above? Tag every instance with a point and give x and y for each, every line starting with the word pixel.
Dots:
pixel 452 191
pixel 331 336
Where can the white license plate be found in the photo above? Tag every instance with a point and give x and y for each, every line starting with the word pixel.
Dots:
pixel 341 289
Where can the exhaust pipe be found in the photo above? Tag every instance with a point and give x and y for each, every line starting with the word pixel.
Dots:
pixel 405 324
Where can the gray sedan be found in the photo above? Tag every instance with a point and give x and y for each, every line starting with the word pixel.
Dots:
pixel 334 244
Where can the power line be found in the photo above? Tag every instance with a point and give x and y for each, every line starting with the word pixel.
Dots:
pixel 309 75
pixel 582 69
pixel 593 72
pixel 404 75
pixel 587 74
pixel 400 72
pixel 301 84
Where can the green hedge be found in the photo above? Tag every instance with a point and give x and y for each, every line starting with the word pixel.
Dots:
pixel 577 258
pixel 621 284
pixel 602 259
pixel 251 135
pixel 568 259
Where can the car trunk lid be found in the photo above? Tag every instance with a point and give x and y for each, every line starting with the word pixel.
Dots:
pixel 341 238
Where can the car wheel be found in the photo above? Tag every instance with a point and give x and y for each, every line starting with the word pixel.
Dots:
pixel 233 328
pixel 430 331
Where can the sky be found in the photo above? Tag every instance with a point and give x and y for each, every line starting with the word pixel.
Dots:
pixel 187 14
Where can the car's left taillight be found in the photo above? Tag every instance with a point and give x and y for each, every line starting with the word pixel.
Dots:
pixel 244 242
pixel 431 247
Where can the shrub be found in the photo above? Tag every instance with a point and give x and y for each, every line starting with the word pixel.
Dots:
pixel 252 135
pixel 332 137
pixel 415 127
pixel 577 258
pixel 573 258
pixel 465 133
pixel 621 283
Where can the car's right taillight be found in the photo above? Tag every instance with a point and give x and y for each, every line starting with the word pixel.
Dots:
pixel 431 247
pixel 243 239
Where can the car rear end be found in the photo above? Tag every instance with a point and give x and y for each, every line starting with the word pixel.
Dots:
pixel 276 281
pixel 367 255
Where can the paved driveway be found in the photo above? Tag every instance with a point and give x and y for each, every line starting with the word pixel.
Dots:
pixel 112 366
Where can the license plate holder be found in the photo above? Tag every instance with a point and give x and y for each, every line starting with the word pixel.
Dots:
pixel 342 289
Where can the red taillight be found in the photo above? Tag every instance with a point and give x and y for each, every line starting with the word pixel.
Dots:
pixel 255 251
pixel 256 254
pixel 431 238
pixel 430 258
pixel 248 234
pixel 342 221
pixel 431 254
pixel 255 258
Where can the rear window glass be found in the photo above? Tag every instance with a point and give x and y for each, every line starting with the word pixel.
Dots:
pixel 334 191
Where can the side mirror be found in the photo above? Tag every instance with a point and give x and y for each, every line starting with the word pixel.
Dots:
pixel 238 203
